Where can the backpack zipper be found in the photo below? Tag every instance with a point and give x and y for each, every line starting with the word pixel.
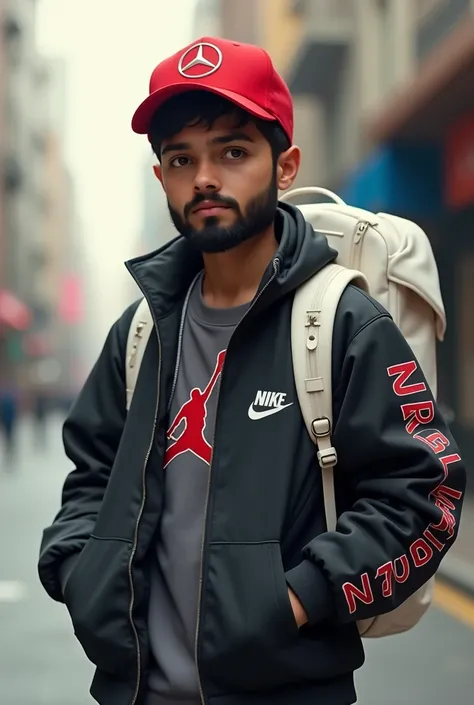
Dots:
pixel 357 240
pixel 276 266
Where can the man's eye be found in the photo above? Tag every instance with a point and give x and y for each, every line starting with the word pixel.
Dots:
pixel 235 153
pixel 179 161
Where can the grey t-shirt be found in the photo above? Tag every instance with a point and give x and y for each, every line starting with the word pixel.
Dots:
pixel 175 573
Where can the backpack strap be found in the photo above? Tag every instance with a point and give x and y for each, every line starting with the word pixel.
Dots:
pixel 138 335
pixel 312 322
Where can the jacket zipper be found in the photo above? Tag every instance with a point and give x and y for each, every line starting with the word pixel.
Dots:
pixel 276 264
pixel 142 507
pixel 361 229
pixel 180 339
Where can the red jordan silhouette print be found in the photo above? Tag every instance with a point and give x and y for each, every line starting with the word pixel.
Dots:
pixel 193 414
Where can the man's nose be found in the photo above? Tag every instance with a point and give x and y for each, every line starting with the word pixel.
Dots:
pixel 207 177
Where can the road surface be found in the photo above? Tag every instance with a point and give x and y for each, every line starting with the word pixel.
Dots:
pixel 41 663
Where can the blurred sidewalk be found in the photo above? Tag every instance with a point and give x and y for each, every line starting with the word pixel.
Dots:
pixel 458 566
pixel 41 663
pixel 464 546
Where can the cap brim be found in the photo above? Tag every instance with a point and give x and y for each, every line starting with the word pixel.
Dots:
pixel 144 113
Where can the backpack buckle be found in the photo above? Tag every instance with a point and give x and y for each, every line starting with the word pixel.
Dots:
pixel 321 427
pixel 327 458
pixel 136 340
pixel 312 318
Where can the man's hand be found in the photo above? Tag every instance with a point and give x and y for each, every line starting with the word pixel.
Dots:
pixel 300 615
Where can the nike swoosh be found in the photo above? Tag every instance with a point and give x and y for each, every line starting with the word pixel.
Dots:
pixel 255 415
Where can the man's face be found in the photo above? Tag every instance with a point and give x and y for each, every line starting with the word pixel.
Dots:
pixel 220 184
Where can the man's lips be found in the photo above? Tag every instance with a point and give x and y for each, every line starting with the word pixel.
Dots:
pixel 207 207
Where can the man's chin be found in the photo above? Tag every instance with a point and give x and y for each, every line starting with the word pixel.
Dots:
pixel 211 245
pixel 212 240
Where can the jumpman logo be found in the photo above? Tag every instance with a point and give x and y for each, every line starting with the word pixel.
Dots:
pixel 193 415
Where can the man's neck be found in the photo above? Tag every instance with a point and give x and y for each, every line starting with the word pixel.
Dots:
pixel 232 278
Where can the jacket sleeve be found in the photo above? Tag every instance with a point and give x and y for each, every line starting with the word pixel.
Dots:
pixel 91 435
pixel 399 482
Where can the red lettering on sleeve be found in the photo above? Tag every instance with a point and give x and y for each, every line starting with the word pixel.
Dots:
pixel 389 571
pixel 405 569
pixel 417 413
pixel 449 460
pixel 437 441
pixel 365 595
pixel 443 495
pixel 442 501
pixel 403 373
pixel 421 552
pixel 386 570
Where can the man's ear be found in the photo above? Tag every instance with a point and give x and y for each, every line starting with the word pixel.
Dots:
pixel 158 173
pixel 287 167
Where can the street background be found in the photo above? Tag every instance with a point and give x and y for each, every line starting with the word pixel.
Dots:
pixel 384 114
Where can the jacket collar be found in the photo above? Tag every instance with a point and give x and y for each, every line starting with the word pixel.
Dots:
pixel 164 276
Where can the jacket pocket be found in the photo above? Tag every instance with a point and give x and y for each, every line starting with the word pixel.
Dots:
pixel 247 620
pixel 97 596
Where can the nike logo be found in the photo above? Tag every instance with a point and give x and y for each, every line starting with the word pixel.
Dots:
pixel 255 415
pixel 273 401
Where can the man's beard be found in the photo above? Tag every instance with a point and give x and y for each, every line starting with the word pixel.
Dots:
pixel 212 237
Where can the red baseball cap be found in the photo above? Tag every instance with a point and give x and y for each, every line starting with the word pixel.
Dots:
pixel 242 73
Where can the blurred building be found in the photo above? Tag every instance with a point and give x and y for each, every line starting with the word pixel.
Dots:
pixel 53 344
pixel 20 151
pixel 207 19
pixel 42 264
pixel 422 135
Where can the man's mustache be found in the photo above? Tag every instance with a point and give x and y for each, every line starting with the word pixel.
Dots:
pixel 212 198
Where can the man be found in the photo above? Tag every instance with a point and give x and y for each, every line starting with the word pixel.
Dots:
pixel 191 549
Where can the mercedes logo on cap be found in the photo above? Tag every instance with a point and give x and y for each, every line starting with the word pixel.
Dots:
pixel 200 60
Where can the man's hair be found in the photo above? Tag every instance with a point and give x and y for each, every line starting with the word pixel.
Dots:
pixel 205 108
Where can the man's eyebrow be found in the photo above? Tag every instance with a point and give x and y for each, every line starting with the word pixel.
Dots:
pixel 232 137
pixel 235 136
pixel 175 147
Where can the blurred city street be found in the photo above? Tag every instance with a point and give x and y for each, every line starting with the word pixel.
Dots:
pixel 41 663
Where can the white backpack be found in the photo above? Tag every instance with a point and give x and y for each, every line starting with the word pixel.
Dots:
pixel 392 259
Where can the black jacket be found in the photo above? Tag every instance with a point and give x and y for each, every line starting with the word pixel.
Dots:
pixel 397 486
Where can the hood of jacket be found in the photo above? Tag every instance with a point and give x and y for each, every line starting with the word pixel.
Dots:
pixel 164 276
